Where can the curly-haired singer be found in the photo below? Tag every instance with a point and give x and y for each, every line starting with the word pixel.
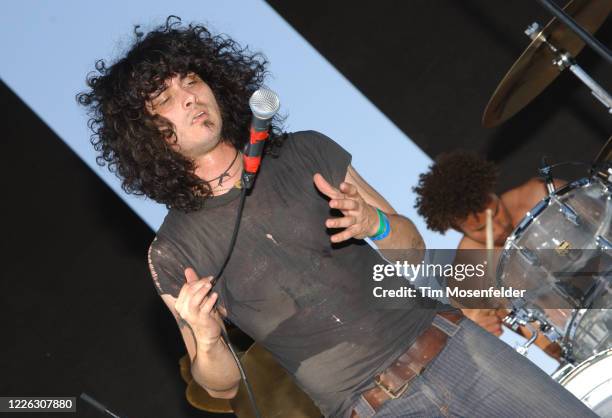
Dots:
pixel 170 117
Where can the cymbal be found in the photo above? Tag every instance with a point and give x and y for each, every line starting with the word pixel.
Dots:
pixel 275 392
pixel 534 71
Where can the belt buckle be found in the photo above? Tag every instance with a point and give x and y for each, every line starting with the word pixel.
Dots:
pixel 391 394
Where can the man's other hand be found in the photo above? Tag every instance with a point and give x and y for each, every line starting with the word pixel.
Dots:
pixel 195 306
pixel 360 219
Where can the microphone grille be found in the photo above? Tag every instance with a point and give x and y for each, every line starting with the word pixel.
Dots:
pixel 264 103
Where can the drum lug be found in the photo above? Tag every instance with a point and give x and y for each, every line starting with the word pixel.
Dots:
pixel 603 243
pixel 530 256
pixel 569 213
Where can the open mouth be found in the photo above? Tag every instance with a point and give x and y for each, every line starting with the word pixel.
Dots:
pixel 199 117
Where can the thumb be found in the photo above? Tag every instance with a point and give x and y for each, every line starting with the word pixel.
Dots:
pixel 324 187
pixel 190 275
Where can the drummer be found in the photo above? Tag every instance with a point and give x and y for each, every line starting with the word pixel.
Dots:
pixel 456 193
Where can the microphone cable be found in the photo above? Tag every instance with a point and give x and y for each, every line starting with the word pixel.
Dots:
pixel 216 277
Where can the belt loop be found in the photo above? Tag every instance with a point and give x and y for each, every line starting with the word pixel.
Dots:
pixel 362 409
pixel 447 322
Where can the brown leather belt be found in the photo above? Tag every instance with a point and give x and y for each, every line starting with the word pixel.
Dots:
pixel 395 380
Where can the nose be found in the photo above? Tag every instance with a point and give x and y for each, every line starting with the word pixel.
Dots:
pixel 189 98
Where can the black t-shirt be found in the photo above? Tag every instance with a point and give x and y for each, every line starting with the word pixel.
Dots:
pixel 287 285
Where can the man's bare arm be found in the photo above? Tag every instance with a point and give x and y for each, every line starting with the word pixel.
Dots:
pixel 212 365
pixel 403 235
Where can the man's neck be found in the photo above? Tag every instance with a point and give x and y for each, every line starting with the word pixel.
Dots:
pixel 218 162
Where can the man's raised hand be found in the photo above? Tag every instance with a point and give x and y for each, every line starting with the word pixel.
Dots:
pixel 360 220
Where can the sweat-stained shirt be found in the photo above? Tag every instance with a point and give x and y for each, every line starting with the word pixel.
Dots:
pixel 286 285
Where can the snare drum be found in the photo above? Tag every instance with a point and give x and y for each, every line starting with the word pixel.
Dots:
pixel 560 253
pixel 591 382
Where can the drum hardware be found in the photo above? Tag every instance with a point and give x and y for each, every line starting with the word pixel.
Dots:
pixel 524 348
pixel 571 332
pixel 602 166
pixel 564 60
pixel 546 174
pixel 534 70
pixel 563 248
pixel 609 179
pixel 586 37
pixel 604 174
pixel 523 317
pixel 606 188
pixel 603 243
pixel 530 256
pixel 567 211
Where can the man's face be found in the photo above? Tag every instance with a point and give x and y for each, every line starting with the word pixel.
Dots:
pixel 475 225
pixel 190 105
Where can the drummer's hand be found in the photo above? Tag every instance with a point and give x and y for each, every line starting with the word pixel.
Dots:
pixel 196 307
pixel 486 318
pixel 360 220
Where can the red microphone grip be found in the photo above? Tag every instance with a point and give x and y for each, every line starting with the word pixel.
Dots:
pixel 252 155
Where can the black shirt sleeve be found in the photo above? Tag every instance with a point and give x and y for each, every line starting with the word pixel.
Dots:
pixel 320 154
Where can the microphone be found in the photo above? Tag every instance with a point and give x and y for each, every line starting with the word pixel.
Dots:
pixel 264 104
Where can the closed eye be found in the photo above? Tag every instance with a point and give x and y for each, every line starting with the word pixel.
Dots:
pixel 161 102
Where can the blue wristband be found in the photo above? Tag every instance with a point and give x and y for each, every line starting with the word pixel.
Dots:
pixel 383 218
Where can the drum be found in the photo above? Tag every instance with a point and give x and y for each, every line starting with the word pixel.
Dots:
pixel 589 332
pixel 591 382
pixel 560 254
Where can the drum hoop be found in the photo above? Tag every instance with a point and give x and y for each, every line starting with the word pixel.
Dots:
pixel 577 317
pixel 567 372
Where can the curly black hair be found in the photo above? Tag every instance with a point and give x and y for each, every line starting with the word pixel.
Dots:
pixel 457 185
pixel 133 143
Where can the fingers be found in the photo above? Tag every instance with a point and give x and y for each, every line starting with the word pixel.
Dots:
pixel 357 219
pixel 343 222
pixel 191 275
pixel 209 303
pixel 349 189
pixel 192 293
pixel 324 187
pixel 344 204
pixel 198 295
pixel 347 234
